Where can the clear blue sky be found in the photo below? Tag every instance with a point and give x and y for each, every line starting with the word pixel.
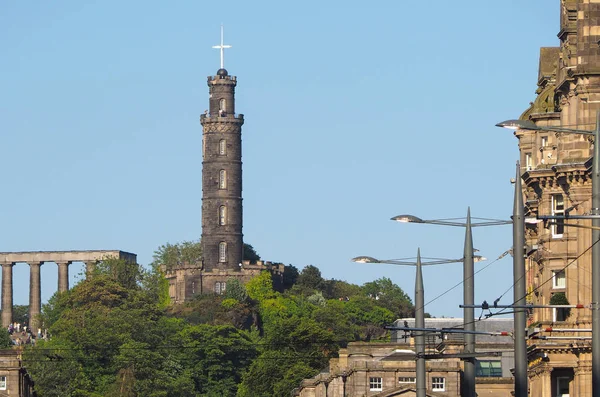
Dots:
pixel 355 112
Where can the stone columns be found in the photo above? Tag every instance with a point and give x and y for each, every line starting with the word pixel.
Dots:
pixel 63 276
pixel 7 294
pixel 89 269
pixel 35 295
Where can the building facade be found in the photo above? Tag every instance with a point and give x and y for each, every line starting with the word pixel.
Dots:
pixel 556 171
pixel 371 369
pixel 14 379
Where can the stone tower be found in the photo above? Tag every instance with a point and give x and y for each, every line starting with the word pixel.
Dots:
pixel 556 170
pixel 222 243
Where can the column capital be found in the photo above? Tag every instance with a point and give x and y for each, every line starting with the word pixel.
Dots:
pixel 35 263
pixel 7 263
pixel 64 262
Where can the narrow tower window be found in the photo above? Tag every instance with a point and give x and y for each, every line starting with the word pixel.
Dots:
pixel 222 179
pixel 558 209
pixel 222 147
pixel 222 251
pixel 222 107
pixel 222 215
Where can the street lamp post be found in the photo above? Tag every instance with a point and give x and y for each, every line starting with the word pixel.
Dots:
pixel 519 289
pixel 595 177
pixel 419 306
pixel 468 289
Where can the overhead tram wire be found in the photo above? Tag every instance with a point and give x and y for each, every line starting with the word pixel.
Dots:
pixel 502 310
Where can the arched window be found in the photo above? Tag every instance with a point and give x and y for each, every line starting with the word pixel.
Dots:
pixel 222 179
pixel 222 105
pixel 222 147
pixel 222 251
pixel 222 215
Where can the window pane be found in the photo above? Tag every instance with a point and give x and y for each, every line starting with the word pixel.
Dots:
pixel 438 383
pixel 222 179
pixel 559 279
pixel 558 209
pixel 488 368
pixel 375 384
pixel 222 251
pixel 222 215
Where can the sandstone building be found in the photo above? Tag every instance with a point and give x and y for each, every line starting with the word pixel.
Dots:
pixel 371 369
pixel 556 171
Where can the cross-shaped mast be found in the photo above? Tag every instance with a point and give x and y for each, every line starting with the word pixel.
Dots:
pixel 221 47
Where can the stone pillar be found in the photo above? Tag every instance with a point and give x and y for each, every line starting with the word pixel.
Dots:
pixel 7 294
pixel 35 295
pixel 89 269
pixel 63 276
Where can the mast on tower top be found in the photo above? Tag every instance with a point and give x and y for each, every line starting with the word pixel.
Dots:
pixel 222 47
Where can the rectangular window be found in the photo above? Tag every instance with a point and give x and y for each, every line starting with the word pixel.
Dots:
pixel 558 209
pixel 488 368
pixel 558 279
pixel 528 161
pixel 544 141
pixel 407 379
pixel 375 384
pixel 438 383
pixel 2 382
pixel 222 147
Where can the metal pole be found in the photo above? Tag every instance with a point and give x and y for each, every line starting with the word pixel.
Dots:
pixel 469 313
pixel 596 262
pixel 420 323
pixel 519 289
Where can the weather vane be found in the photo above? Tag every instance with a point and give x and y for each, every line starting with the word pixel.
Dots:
pixel 222 47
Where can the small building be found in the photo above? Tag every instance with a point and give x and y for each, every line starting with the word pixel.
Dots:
pixel 14 379
pixel 389 369
pixel 187 281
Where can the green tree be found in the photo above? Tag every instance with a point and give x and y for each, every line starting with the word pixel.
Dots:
pixel 5 340
pixel 294 348
pixel 260 287
pixel 310 278
pixel 126 273
pixel 235 290
pixel 217 357
pixel 250 254
pixel 170 255
pixel 390 296
pixel 290 276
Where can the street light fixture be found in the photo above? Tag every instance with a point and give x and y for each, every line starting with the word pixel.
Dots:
pixel 469 283
pixel 595 177
pixel 451 221
pixel 419 304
